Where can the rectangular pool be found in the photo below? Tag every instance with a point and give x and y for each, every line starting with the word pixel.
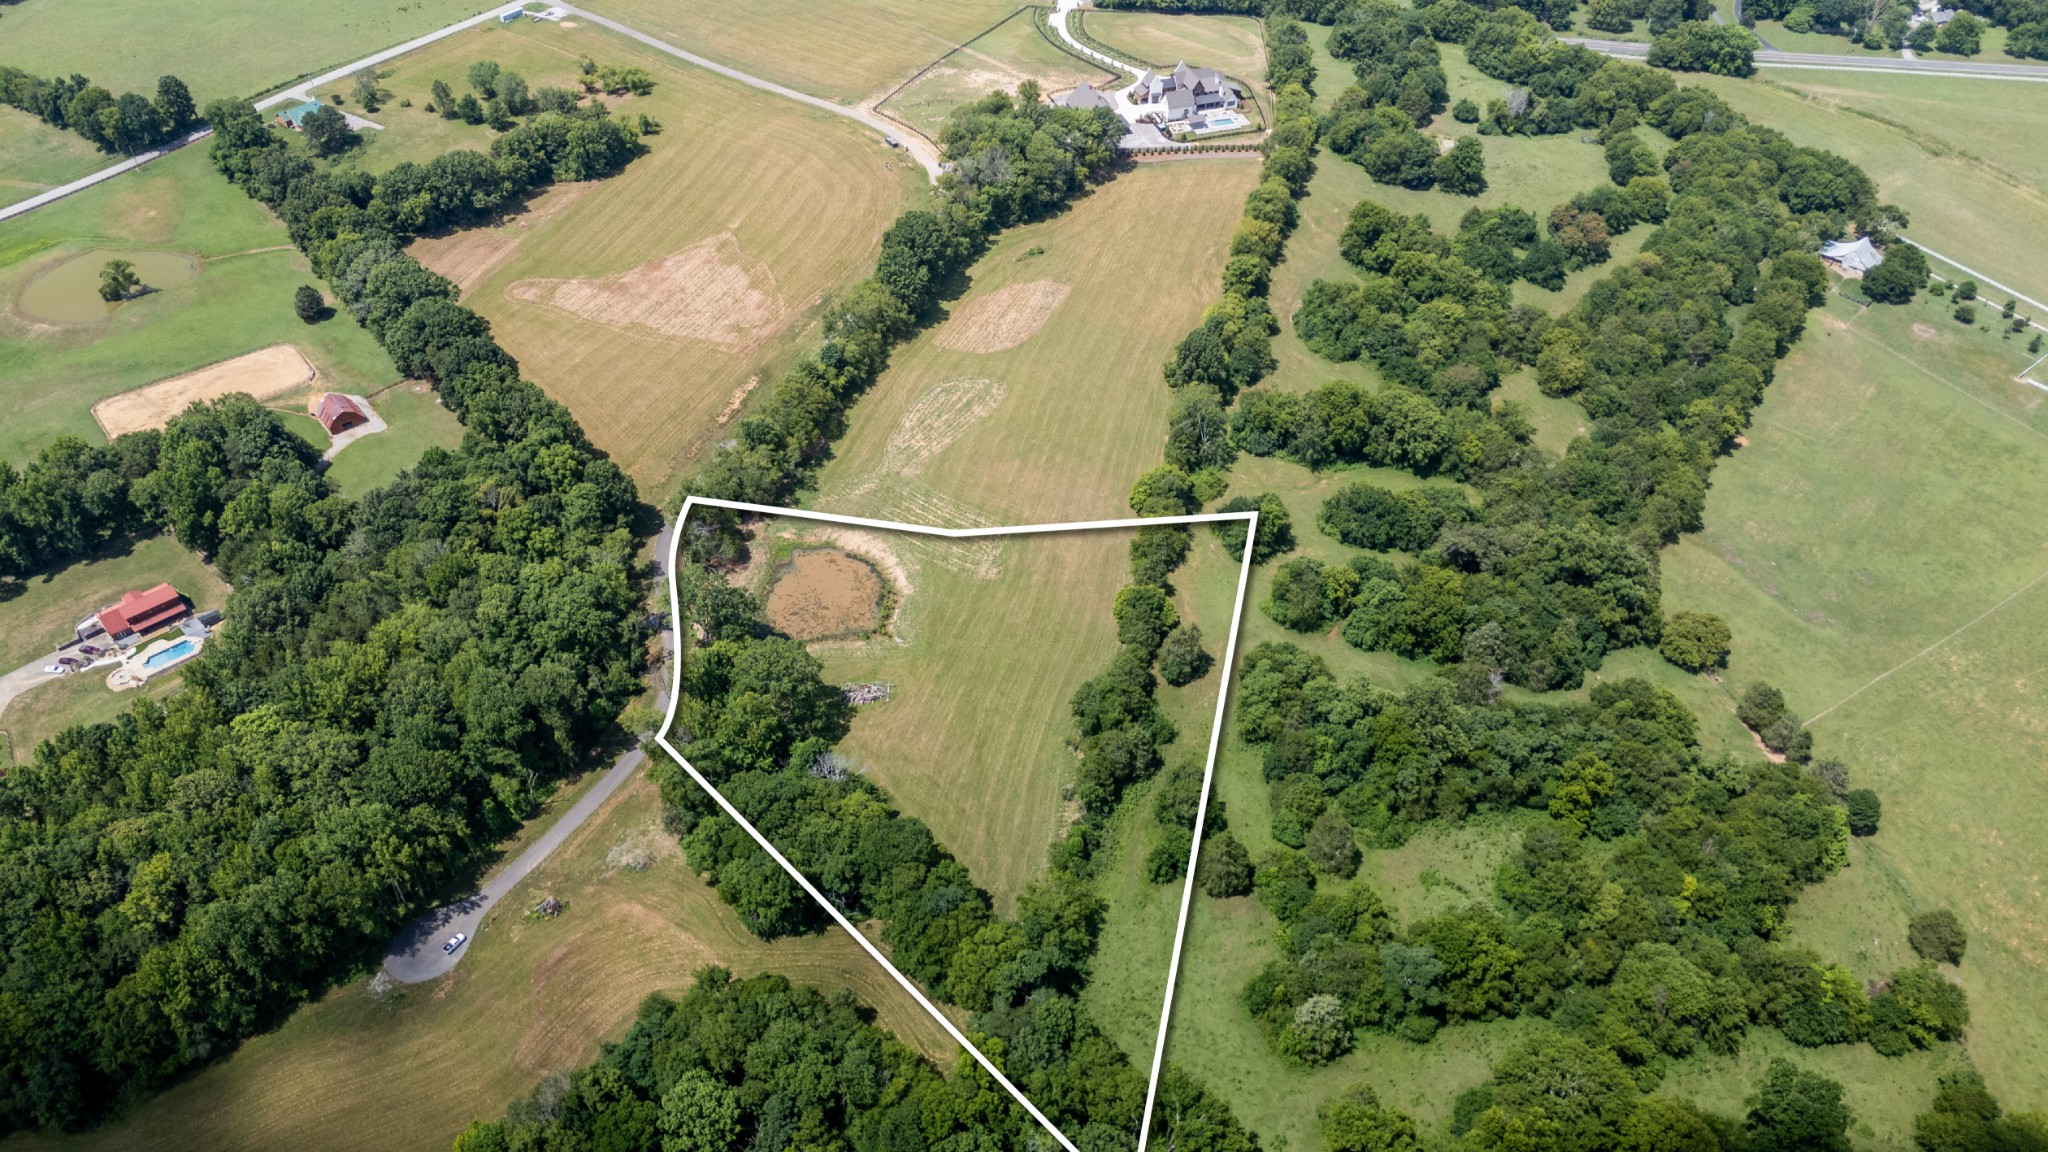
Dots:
pixel 171 655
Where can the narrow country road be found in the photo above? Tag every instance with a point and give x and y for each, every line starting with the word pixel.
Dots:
pixel 909 141
pixel 415 953
pixel 1823 62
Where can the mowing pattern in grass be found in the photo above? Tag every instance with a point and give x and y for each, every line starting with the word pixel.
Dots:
pixel 1231 44
pixel 765 203
pixel 35 157
pixel 51 376
pixel 233 47
pixel 849 50
pixel 407 1068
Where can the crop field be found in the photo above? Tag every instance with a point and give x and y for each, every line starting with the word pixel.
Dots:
pixel 238 47
pixel 407 1067
pixel 51 375
pixel 652 302
pixel 849 52
pixel 1006 55
pixel 35 157
pixel 1233 44
pixel 986 419
pixel 1962 157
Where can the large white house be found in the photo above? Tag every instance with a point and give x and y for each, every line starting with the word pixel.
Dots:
pixel 1181 93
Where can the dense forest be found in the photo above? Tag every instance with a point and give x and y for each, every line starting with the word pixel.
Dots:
pixel 398 681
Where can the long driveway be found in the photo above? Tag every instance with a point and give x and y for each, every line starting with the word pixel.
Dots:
pixel 1823 62
pixel 415 953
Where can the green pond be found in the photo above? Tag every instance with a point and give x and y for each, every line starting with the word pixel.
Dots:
pixel 70 292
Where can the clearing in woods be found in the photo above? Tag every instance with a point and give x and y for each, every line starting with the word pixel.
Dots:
pixel 647 300
pixel 1057 426
pixel 407 1068
pixel 265 374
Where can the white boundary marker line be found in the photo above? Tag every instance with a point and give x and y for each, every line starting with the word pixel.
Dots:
pixel 1202 809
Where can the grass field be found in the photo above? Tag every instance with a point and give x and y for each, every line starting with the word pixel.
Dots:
pixel 1011 52
pixel 1126 272
pixel 51 375
pixel 42 615
pixel 35 157
pixel 407 1068
pixel 1962 157
pixel 82 698
pixel 417 422
pixel 237 47
pixel 849 51
pixel 1233 44
pixel 699 268
pixel 1775 34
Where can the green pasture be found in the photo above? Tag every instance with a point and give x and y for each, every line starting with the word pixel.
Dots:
pixel 35 157
pixel 417 422
pixel 1233 44
pixel 51 375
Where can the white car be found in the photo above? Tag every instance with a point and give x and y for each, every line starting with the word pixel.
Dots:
pixel 454 942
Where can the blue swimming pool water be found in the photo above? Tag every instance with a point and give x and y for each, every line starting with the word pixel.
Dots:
pixel 175 652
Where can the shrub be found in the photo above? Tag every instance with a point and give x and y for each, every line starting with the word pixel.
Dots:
pixel 1330 846
pixel 1182 659
pixel 308 303
pixel 1465 112
pixel 1225 869
pixel 1695 641
pixel 1865 810
pixel 1938 936
pixel 1276 528
pixel 1966 314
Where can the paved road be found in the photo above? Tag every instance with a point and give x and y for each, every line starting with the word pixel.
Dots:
pixel 108 173
pixel 415 953
pixel 1823 62
pixel 910 142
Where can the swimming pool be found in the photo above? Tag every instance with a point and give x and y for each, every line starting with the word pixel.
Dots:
pixel 171 655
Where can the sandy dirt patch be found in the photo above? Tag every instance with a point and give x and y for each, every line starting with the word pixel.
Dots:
pixel 1002 319
pixel 470 256
pixel 265 373
pixel 823 593
pixel 1924 331
pixel 940 417
pixel 711 292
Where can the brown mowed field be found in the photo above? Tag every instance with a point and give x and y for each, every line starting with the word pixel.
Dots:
pixel 407 1069
pixel 646 302
pixel 988 418
pixel 848 50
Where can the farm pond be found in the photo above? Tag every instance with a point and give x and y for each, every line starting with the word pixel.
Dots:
pixel 825 592
pixel 69 293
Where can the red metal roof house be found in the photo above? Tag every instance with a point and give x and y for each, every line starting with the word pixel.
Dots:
pixel 338 413
pixel 138 613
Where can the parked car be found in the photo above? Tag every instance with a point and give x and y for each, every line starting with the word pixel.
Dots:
pixel 891 141
pixel 454 942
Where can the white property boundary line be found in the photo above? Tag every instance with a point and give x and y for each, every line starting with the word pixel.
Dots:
pixel 1201 811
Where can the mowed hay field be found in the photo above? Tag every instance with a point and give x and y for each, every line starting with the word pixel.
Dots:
pixel 407 1068
pixel 51 375
pixel 1000 58
pixel 1231 43
pixel 848 51
pixel 1964 158
pixel 1040 397
pixel 648 302
pixel 35 157
pixel 228 48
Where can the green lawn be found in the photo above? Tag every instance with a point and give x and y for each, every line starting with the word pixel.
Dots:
pixel 232 47
pixel 35 157
pixel 1233 44
pixel 38 614
pixel 50 376
pixel 417 422
pixel 81 698
pixel 1783 39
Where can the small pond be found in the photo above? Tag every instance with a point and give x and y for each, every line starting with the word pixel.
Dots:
pixel 824 592
pixel 70 292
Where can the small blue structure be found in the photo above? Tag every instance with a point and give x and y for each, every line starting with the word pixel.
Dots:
pixel 509 17
pixel 294 117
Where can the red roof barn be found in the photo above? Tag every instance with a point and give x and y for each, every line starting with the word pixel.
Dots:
pixel 338 413
pixel 139 612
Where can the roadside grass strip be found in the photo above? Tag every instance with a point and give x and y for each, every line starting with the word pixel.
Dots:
pixel 1250 518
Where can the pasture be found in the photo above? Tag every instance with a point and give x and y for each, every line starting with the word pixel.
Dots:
pixel 849 52
pixel 35 157
pixel 37 614
pixel 1233 44
pixel 653 302
pixel 416 422
pixel 238 47
pixel 407 1067
pixel 51 375
pixel 1000 58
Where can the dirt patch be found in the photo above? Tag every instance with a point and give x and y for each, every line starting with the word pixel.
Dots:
pixel 939 417
pixel 739 397
pixel 710 292
pixel 823 593
pixel 1002 319
pixel 1925 332
pixel 265 374
pixel 469 257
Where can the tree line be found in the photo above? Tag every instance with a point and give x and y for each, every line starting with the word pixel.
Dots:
pixel 128 123
pixel 401 679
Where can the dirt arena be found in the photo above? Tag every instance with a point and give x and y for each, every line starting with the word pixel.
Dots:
pixel 825 592
pixel 711 291
pixel 1002 319
pixel 264 374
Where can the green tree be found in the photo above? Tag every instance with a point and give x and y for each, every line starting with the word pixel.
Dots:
pixel 1938 935
pixel 1961 36
pixel 699 1114
pixel 1276 527
pixel 1299 598
pixel 1355 1122
pixel 483 77
pixel 174 104
pixel 1182 659
pixel 308 303
pixel 444 100
pixel 1902 273
pixel 1462 170
pixel 1865 810
pixel 1697 46
pixel 1319 1032
pixel 1667 1124
pixel 327 132
pixel 118 281
pixel 1465 111
pixel 1794 1110
pixel 363 88
pixel 1330 845
pixel 1225 868
pixel 1144 615
pixel 1695 641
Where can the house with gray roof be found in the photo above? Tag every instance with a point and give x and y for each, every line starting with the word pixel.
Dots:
pixel 1083 95
pixel 1168 96
pixel 1852 257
